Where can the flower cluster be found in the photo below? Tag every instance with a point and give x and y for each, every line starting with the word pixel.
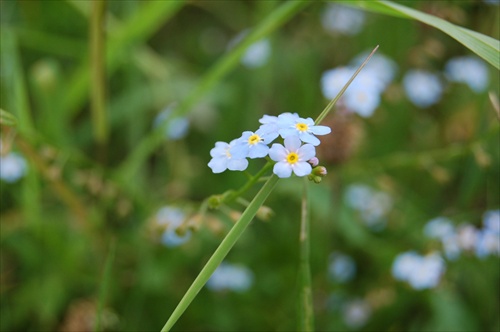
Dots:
pixel 291 157
pixel 482 242
pixel 420 272
pixel 364 94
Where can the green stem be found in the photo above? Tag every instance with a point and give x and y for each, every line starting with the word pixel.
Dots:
pixel 221 252
pixel 106 281
pixel 330 105
pixel 248 185
pixel 306 314
pixel 97 64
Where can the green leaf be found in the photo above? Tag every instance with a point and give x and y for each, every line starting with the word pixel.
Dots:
pixel 484 46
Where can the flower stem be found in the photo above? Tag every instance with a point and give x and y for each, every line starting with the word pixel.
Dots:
pixel 330 105
pixel 221 252
pixel 98 72
pixel 306 314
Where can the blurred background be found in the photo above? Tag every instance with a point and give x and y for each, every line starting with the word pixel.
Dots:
pixel 104 175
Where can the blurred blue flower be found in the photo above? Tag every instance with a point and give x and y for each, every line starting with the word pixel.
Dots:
pixel 171 218
pixel 343 20
pixel 363 96
pixel 341 267
pixel 421 272
pixel 177 127
pixel 381 66
pixel 356 313
pixel 362 101
pixel 333 80
pixel 491 221
pixel 422 88
pixel 469 70
pixel 439 228
pixel 487 243
pixel 372 205
pixel 492 2
pixel 222 159
pixel 257 54
pixel 230 277
pixel 13 166
pixel 292 157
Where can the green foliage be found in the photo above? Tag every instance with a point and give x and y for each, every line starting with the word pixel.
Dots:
pixel 80 243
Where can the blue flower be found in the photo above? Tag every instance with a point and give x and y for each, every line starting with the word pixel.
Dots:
pixel 171 219
pixel 222 158
pixel 257 54
pixel 439 228
pixel 252 144
pixel 342 19
pixel 333 80
pixel 292 125
pixel 292 157
pixel 177 127
pixel 422 88
pixel 491 221
pixel 342 268
pixel 230 277
pixel 469 70
pixel 362 101
pixel 420 272
pixel 12 167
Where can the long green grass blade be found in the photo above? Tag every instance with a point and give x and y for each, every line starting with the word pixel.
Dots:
pixel 221 252
pixel 484 46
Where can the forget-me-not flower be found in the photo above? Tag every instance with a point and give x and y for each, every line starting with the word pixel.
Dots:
pixel 420 272
pixel 292 157
pixel 252 144
pixel 422 88
pixel 12 167
pixel 342 19
pixel 171 219
pixel 257 54
pixel 305 129
pixel 222 158
pixel 469 70
pixel 341 268
pixel 177 127
pixel 230 277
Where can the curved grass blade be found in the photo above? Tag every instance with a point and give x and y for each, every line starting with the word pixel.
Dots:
pixel 484 46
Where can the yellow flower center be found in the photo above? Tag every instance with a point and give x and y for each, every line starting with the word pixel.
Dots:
pixel 302 127
pixel 228 154
pixel 254 139
pixel 292 158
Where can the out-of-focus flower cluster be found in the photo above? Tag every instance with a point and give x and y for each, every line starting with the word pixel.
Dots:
pixel 422 87
pixel 372 205
pixel 482 242
pixel 423 272
pixel 227 276
pixel 364 94
pixel 290 157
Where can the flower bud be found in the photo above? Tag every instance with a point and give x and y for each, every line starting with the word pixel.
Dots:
pixel 319 171
pixel 265 213
pixel 313 161
pixel 214 201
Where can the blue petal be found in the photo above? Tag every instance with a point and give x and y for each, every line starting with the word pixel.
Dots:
pixel 282 170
